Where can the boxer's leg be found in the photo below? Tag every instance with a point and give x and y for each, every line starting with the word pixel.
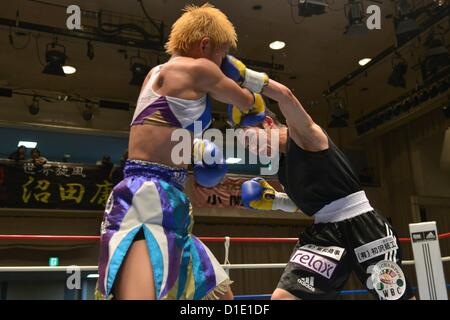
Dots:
pixel 376 250
pixel 281 294
pixel 135 278
pixel 318 267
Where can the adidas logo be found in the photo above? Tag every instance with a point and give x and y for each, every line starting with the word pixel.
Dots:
pixel 431 235
pixel 308 283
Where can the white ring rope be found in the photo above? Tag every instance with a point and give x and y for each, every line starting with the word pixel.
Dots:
pixel 226 261
pixel 229 266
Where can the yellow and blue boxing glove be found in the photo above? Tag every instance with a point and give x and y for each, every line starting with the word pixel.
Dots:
pixel 253 81
pixel 247 78
pixel 251 117
pixel 258 194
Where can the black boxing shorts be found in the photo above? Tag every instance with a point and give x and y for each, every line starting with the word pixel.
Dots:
pixel 327 253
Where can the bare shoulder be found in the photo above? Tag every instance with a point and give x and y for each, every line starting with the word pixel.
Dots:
pixel 205 72
pixel 204 67
pixel 195 67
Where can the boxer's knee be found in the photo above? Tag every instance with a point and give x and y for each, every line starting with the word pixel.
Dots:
pixel 280 294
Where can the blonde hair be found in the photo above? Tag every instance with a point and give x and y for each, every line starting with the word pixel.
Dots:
pixel 197 23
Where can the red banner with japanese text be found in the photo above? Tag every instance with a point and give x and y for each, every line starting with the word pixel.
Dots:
pixel 226 194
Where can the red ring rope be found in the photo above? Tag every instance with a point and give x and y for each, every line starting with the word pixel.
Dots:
pixel 205 239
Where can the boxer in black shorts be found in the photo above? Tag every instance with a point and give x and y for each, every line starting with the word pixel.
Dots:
pixel 347 234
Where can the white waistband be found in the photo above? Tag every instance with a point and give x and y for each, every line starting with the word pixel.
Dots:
pixel 345 208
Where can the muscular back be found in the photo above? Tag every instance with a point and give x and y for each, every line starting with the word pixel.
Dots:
pixel 177 78
pixel 151 142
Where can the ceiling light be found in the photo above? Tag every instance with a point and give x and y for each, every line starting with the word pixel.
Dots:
pixel 33 108
pixel 354 12
pixel 397 77
pixel 364 61
pixel 88 112
pixel 405 25
pixel 446 110
pixel 92 276
pixel 27 144
pixel 90 50
pixel 339 113
pixel 308 8
pixel 277 45
pixel 139 70
pixel 69 69
pixel 56 59
pixel 436 57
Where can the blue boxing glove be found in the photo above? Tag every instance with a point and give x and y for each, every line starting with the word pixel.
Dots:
pixel 247 78
pixel 209 166
pixel 252 117
pixel 258 194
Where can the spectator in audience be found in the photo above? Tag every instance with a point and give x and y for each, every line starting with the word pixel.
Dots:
pixel 19 154
pixel 66 158
pixel 38 160
pixel 105 167
pixel 116 174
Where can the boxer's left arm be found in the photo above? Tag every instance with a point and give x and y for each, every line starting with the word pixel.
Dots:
pixel 302 129
pixel 209 78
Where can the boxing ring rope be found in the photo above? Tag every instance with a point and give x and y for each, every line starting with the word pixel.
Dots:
pixel 226 240
pixel 227 266
pixel 237 266
pixel 204 239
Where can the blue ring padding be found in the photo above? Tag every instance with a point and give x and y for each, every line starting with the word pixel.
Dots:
pixel 350 292
pixel 343 293
pixel 253 297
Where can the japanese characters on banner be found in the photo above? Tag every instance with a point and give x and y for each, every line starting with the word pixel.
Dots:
pixel 80 187
pixel 225 195
pixel 53 185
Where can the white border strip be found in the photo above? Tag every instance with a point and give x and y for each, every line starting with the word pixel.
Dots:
pixel 227 266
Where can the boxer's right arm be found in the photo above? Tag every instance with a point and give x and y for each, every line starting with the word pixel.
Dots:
pixel 209 78
pixel 302 129
pixel 258 194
